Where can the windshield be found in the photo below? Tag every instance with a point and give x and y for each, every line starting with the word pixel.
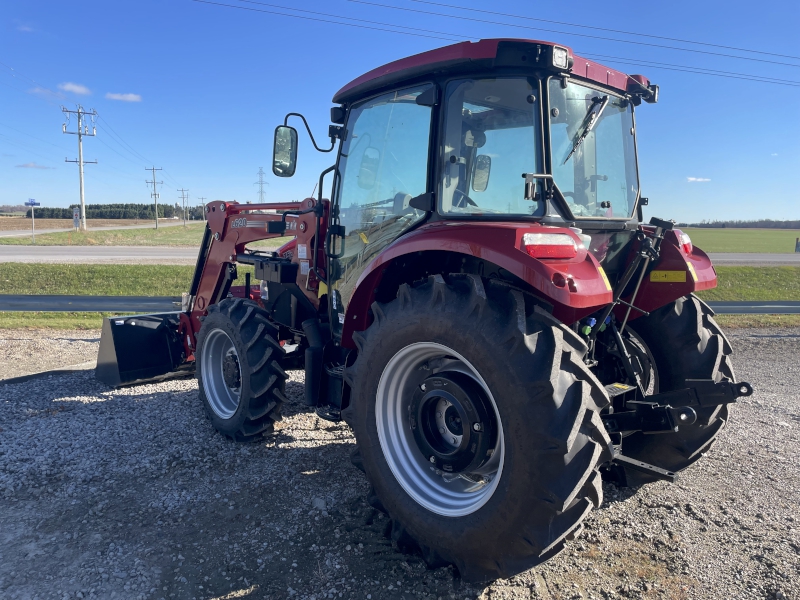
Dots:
pixel 491 138
pixel 593 152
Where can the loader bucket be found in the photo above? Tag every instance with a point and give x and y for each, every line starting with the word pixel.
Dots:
pixel 141 348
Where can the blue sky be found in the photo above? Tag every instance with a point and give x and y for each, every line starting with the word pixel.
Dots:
pixel 198 89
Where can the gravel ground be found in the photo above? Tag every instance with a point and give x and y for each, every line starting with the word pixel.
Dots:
pixel 30 351
pixel 131 494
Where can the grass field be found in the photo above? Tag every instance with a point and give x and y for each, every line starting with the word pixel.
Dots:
pixel 24 224
pixel 755 283
pixel 190 236
pixel 762 241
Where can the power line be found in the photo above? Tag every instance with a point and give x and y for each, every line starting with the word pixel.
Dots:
pixel 440 34
pixel 184 198
pixel 647 35
pixel 154 195
pixel 690 69
pixel 450 37
pixel 82 130
pixel 585 35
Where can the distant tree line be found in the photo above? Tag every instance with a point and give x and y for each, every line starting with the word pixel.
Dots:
pixel 119 211
pixel 759 224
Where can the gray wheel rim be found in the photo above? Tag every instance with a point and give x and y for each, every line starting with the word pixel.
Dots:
pixel 223 400
pixel 441 493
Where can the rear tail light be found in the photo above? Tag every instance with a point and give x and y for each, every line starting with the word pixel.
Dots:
pixel 685 241
pixel 550 245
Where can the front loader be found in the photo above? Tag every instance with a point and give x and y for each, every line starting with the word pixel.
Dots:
pixel 479 299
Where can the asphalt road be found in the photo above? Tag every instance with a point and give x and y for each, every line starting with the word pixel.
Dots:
pixel 187 256
pixel 99 254
pixel 143 304
pixel 123 304
pixel 736 259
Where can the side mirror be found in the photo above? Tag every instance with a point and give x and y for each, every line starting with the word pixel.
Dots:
pixel 480 176
pixel 368 171
pixel 284 151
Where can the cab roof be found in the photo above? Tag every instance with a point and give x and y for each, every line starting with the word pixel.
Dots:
pixel 474 56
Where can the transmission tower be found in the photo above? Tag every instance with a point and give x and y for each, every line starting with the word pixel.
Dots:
pixel 83 130
pixel 260 183
pixel 154 195
pixel 184 199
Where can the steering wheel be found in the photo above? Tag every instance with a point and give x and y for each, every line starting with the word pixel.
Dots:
pixel 464 198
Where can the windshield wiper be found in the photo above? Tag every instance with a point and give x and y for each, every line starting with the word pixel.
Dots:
pixel 589 121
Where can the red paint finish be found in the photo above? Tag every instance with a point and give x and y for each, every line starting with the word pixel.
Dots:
pixel 229 222
pixel 581 290
pixel 464 53
pixel 655 294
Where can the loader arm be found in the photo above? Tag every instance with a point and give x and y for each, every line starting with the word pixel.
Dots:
pixel 230 228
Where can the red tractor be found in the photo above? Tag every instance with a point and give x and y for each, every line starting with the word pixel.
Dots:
pixel 479 300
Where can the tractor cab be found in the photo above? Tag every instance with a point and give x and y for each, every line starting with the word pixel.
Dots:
pixel 495 131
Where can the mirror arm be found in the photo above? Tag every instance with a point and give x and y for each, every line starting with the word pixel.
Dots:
pixel 311 135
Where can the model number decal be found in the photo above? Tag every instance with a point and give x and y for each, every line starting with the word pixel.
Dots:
pixel 240 222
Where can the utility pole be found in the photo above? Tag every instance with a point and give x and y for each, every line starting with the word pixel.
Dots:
pixel 260 183
pixel 203 207
pixel 184 198
pixel 154 195
pixel 83 130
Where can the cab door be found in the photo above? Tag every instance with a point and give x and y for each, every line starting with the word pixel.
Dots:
pixel 383 164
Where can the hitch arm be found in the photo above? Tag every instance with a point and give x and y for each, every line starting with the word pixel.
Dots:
pixel 704 393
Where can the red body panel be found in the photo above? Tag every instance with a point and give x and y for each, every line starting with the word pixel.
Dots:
pixel 655 294
pixel 465 52
pixel 498 243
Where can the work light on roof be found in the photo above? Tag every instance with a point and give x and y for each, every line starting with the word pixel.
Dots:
pixel 560 57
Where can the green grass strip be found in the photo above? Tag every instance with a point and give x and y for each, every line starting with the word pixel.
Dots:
pixel 762 241
pixel 755 283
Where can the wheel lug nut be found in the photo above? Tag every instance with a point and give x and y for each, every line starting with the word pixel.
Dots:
pixel 441 429
pixel 433 459
pixel 454 440
pixel 438 414
pixel 476 426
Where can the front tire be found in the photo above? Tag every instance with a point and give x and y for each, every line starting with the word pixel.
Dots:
pixel 239 375
pixel 509 502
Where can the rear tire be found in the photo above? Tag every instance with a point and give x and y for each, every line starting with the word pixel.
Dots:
pixel 686 343
pixel 239 375
pixel 547 406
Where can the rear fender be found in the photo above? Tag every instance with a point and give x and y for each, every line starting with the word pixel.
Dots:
pixel 676 274
pixel 585 287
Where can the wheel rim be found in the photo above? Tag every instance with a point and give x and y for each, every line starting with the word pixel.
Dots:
pixel 447 494
pixel 222 374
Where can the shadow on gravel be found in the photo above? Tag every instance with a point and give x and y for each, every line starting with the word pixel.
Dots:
pixel 131 491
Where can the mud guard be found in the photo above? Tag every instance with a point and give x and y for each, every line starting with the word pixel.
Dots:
pixel 141 348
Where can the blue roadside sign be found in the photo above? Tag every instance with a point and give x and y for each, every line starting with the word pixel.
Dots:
pixel 32 203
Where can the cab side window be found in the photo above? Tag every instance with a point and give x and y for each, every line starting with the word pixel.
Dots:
pixel 383 165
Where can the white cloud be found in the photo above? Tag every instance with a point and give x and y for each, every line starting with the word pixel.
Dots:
pixel 697 179
pixel 75 88
pixel 124 97
pixel 774 154
pixel 40 91
pixel 23 27
pixel 32 165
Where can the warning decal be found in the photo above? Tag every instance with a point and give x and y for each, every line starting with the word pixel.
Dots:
pixel 668 276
